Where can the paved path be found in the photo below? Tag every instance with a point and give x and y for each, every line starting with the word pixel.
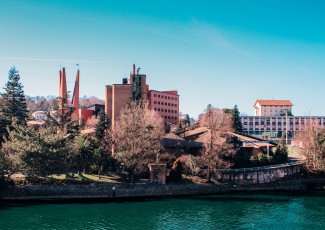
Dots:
pixel 295 155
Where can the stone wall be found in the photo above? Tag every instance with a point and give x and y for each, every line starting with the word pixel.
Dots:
pixel 260 175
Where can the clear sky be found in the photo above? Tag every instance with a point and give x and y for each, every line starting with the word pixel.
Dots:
pixel 213 52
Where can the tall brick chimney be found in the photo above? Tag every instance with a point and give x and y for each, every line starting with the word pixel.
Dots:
pixel 63 92
pixel 75 97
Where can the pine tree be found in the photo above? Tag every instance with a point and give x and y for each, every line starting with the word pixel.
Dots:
pixel 102 126
pixel 12 103
pixel 41 152
pixel 237 125
pixel 234 115
pixel 188 120
pixel 62 118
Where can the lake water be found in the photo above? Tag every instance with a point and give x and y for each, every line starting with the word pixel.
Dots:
pixel 208 212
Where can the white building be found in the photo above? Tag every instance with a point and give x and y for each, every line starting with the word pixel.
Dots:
pixel 39 115
pixel 272 107
pixel 273 126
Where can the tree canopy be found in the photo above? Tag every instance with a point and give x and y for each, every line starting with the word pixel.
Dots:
pixel 137 136
pixel 12 103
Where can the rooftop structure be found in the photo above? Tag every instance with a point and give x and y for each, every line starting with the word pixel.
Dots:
pixel 272 107
pixel 165 103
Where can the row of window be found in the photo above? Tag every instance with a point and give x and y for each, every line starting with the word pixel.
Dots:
pixel 165 103
pixel 165 110
pixel 166 97
pixel 282 118
pixel 171 117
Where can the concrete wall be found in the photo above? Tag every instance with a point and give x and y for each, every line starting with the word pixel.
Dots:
pixel 260 175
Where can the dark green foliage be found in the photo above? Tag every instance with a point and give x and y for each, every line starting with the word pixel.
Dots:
pixel 175 173
pixel 61 118
pixel 234 115
pixel 237 125
pixel 83 153
pixel 262 158
pixel 281 151
pixel 254 161
pixel 12 103
pixel 188 120
pixel 102 126
pixel 41 153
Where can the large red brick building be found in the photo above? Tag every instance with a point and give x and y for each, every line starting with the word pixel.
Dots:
pixel 165 103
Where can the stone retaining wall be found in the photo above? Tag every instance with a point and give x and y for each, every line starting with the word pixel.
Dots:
pixel 124 191
pixel 260 175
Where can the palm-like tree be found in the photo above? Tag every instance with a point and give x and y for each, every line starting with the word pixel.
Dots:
pixel 83 153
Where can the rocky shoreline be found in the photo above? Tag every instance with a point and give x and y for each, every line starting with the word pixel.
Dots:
pixel 105 191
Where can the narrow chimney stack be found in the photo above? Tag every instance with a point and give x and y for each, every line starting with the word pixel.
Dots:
pixel 133 69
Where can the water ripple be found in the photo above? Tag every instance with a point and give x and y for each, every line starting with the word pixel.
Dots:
pixel 210 212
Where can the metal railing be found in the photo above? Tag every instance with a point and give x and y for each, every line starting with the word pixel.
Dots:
pixel 262 168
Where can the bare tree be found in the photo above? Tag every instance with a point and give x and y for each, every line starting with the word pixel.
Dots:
pixel 217 147
pixel 312 141
pixel 137 136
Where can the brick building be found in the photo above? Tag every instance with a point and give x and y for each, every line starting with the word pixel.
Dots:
pixel 165 103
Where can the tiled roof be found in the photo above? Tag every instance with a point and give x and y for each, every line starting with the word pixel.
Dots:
pixel 171 140
pixel 274 102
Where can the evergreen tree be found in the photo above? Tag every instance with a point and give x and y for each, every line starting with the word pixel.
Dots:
pixel 12 103
pixel 281 151
pixel 188 121
pixel 41 152
pixel 61 118
pixel 234 115
pixel 237 125
pixel 103 125
pixel 83 150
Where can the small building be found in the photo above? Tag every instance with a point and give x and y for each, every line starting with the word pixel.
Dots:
pixel 272 107
pixel 39 115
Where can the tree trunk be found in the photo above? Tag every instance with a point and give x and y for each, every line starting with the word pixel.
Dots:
pixel 209 174
pixel 99 171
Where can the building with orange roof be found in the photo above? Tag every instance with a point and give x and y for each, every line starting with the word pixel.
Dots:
pixel 272 107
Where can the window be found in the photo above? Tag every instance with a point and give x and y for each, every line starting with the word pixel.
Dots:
pixel 158 96
pixel 165 103
pixel 159 109
pixel 165 117
pixel 154 95
pixel 155 109
pixel 168 104
pixel 168 97
pixel 158 102
pixel 165 97
pixel 155 102
pixel 168 111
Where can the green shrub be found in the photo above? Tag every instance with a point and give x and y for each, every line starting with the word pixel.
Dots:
pixel 254 160
pixel 262 158
pixel 175 173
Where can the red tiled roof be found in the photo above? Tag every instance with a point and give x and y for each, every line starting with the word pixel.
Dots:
pixel 274 102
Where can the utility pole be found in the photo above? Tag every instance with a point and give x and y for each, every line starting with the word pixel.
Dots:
pixel 286 127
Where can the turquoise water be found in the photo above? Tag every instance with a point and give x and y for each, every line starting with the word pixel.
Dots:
pixel 209 212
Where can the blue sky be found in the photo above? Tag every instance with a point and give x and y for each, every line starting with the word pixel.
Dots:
pixel 213 52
